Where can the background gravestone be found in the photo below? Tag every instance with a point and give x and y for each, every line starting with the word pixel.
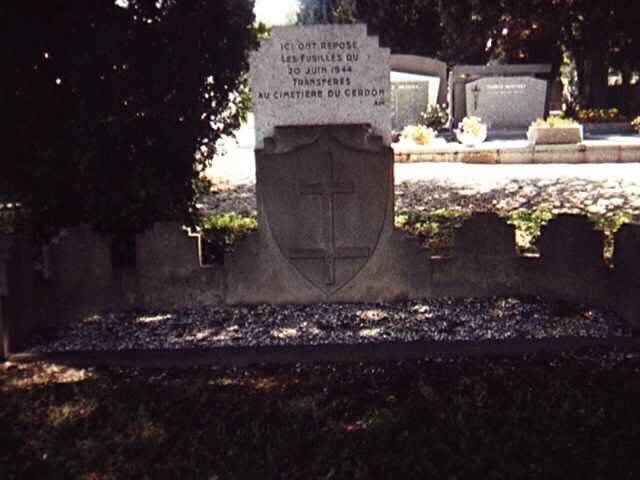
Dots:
pixel 321 75
pixel 432 69
pixel 462 75
pixel 506 102
pixel 410 96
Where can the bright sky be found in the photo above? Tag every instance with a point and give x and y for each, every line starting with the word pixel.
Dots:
pixel 276 12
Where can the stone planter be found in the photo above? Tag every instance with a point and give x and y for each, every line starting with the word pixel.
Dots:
pixel 554 135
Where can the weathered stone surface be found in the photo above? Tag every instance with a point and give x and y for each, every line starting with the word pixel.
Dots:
pixel 572 264
pixel 484 253
pixel 167 273
pixel 626 254
pixel 80 258
pixel 571 241
pixel 25 312
pixel 506 102
pixel 175 279
pixel 485 234
pixel 321 75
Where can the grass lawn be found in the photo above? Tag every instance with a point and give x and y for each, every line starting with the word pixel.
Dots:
pixel 574 416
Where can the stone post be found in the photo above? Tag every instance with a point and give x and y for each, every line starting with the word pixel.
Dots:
pixel 5 245
pixel 626 260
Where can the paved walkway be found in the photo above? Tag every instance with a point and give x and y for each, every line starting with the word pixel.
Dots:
pixel 237 165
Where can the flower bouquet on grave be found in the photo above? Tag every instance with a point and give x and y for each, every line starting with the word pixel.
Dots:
pixel 417 135
pixel 471 131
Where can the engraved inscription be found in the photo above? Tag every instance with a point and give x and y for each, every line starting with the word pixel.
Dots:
pixel 321 70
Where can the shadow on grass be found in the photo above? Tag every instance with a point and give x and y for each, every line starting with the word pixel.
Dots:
pixel 491 418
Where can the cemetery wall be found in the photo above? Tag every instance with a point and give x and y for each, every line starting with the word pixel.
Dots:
pixel 78 278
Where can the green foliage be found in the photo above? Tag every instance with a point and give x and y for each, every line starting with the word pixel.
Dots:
pixel 220 232
pixel 406 26
pixel 601 115
pixel 528 225
pixel 435 117
pixel 317 12
pixel 609 224
pixel 131 93
pixel 434 228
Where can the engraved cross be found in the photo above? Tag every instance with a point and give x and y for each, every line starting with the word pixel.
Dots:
pixel 476 96
pixel 329 191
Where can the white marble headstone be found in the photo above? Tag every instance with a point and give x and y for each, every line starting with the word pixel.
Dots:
pixel 320 75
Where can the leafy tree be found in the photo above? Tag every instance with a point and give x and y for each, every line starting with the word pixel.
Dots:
pixel 528 32
pixel 599 36
pixel 406 26
pixel 587 35
pixel 108 104
pixel 317 11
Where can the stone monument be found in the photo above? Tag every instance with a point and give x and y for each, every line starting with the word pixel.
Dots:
pixel 324 170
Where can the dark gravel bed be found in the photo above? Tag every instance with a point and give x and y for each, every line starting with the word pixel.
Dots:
pixel 267 325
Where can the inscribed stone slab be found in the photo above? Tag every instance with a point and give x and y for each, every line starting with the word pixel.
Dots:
pixel 433 69
pixel 321 75
pixel 506 102
pixel 411 94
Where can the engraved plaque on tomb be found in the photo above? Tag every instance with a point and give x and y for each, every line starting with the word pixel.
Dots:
pixel 320 75
pixel 506 102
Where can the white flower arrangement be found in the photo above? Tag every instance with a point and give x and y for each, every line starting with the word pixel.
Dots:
pixel 471 131
pixel 418 134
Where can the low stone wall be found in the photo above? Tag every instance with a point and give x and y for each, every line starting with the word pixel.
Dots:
pixel 589 152
pixel 75 276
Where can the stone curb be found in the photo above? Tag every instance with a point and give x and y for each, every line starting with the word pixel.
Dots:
pixel 591 151
pixel 283 355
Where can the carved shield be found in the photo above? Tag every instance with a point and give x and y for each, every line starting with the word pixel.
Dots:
pixel 326 203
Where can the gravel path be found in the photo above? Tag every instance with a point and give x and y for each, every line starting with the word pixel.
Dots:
pixel 575 188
